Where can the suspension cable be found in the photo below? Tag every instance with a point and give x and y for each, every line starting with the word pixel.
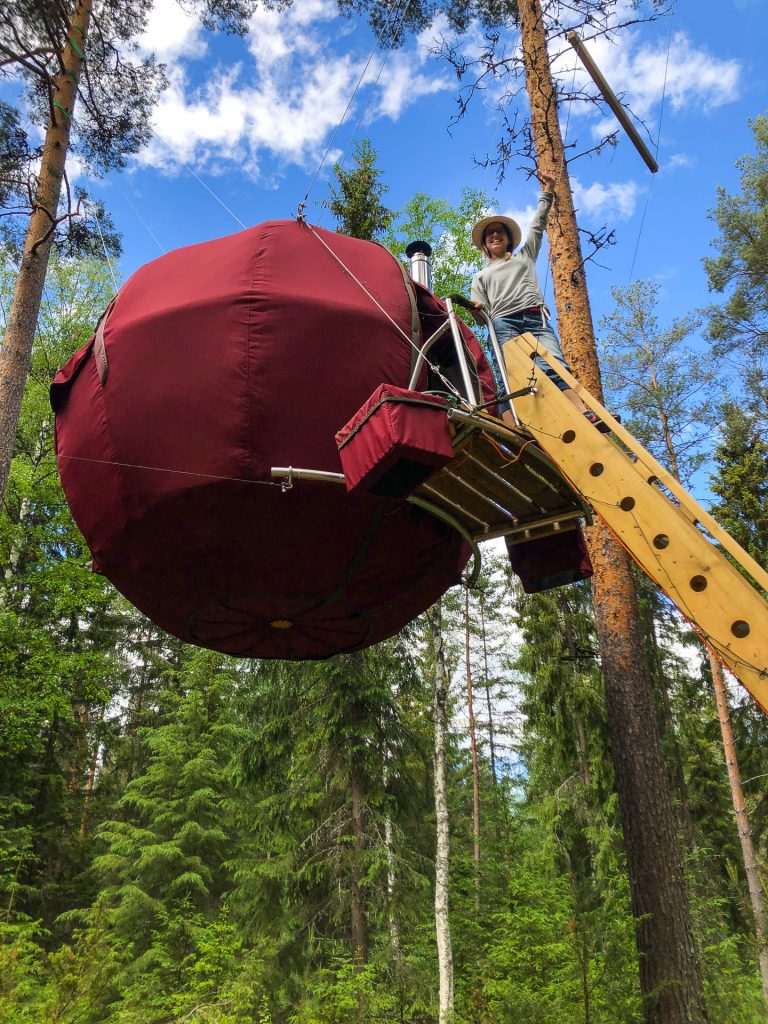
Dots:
pixel 385 26
pixel 395 29
pixel 410 342
pixel 657 146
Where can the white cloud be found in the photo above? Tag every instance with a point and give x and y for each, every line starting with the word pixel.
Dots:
pixel 286 95
pixel 640 75
pixel 401 84
pixel 679 160
pixel 172 33
pixel 523 215
pixel 616 201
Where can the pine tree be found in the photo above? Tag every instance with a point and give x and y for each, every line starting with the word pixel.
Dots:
pixel 739 325
pixel 356 201
pixel 647 364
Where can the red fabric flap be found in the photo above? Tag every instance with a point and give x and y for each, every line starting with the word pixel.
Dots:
pixel 397 431
pixel 66 375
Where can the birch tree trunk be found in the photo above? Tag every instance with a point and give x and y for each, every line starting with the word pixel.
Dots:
pixel 442 844
pixel 472 750
pixel 16 353
pixel 670 977
pixel 491 739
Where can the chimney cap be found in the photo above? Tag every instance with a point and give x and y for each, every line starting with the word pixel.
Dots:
pixel 415 247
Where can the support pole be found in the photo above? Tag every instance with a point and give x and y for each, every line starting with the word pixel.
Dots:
pixel 612 100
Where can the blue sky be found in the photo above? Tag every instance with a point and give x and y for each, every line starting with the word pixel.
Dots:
pixel 253 117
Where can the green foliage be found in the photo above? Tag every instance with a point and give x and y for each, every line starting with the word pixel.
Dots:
pixel 740 481
pixel 548 961
pixel 670 390
pixel 346 993
pixel 447 229
pixel 187 838
pixel 356 202
pixel 739 325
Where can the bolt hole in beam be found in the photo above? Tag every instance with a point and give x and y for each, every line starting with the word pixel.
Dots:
pixel 661 541
pixel 698 583
pixel 596 469
pixel 740 629
pixel 569 436
pixel 627 504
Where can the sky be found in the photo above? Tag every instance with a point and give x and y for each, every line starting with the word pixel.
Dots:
pixel 240 134
pixel 243 127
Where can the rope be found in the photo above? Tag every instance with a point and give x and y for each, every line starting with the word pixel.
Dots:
pixel 149 230
pixel 303 203
pixel 197 177
pixel 379 306
pixel 395 30
pixel 104 247
pixel 176 472
pixel 658 144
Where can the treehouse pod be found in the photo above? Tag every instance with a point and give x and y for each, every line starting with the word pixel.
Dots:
pixel 215 363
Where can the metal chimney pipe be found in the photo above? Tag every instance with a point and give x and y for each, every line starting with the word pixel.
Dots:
pixel 421 267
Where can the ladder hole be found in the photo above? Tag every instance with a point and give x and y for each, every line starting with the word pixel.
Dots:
pixel 698 583
pixel 569 436
pixel 661 541
pixel 740 629
pixel 627 504
pixel 596 468
pixel 653 479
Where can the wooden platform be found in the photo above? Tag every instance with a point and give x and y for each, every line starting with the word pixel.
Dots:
pixel 501 484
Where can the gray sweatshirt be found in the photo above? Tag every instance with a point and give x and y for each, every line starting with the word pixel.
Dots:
pixel 508 286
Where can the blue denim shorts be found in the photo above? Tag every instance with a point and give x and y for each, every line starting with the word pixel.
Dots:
pixel 507 327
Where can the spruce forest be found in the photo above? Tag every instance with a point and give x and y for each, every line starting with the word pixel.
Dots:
pixel 485 819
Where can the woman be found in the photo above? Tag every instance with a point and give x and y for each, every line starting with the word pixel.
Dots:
pixel 509 291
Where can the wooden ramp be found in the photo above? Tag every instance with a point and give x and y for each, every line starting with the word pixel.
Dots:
pixel 502 484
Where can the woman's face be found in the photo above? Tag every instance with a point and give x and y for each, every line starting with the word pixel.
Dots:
pixel 496 240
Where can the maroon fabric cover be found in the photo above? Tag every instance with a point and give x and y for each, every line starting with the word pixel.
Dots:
pixel 432 314
pixel 553 561
pixel 225 359
pixel 395 433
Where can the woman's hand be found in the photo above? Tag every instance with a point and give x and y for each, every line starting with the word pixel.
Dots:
pixel 547 183
pixel 478 319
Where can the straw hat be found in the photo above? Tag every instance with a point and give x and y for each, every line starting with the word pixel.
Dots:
pixel 512 226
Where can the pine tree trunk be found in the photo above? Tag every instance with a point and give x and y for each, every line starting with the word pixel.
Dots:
pixel 16 354
pixel 724 717
pixel 670 977
pixel 472 749
pixel 442 845
pixel 742 820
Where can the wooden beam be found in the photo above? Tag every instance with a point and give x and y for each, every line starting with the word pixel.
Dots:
pixel 612 100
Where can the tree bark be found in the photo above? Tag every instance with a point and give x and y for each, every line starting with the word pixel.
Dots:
pixel 742 820
pixel 359 925
pixel 472 749
pixel 670 977
pixel 442 842
pixel 16 354
pixel 358 790
pixel 491 739
pixel 723 713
